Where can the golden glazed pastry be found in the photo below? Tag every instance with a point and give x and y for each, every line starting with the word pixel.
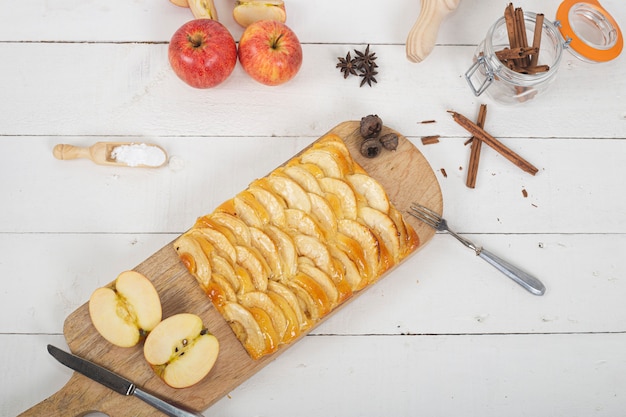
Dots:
pixel 294 245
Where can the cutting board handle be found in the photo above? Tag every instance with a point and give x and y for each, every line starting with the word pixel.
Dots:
pixel 423 35
pixel 81 396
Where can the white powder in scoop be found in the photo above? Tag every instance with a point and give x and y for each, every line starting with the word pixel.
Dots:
pixel 138 154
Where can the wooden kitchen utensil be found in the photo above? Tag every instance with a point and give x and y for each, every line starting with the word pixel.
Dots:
pixel 131 154
pixel 406 176
pixel 423 35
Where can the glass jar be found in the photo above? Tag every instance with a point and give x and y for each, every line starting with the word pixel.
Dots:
pixel 585 28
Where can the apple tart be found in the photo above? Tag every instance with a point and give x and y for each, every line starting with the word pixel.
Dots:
pixel 294 245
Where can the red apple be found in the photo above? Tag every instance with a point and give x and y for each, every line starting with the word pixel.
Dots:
pixel 270 52
pixel 203 53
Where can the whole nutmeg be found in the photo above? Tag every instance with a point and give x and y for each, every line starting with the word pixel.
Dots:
pixel 371 126
pixel 370 148
pixel 389 141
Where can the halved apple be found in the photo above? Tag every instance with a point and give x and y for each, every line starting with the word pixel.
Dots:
pixel 181 350
pixel 203 9
pixel 126 311
pixel 247 12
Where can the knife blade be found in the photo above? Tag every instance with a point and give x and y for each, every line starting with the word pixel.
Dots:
pixel 115 382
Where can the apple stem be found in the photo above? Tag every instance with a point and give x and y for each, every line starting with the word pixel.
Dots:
pixel 275 42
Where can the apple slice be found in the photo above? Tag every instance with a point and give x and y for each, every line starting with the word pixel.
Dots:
pixel 253 262
pixel 181 350
pixel 250 210
pixel 344 192
pixel 292 329
pixel 384 227
pixel 293 194
pixel 315 250
pixel 371 189
pixel 274 205
pixel 126 311
pixel 322 279
pixel 350 271
pixel 292 300
pixel 408 238
pixel 247 12
pixel 236 226
pixel 246 328
pixel 367 240
pixel 327 161
pixel 300 222
pixel 224 268
pixel 180 3
pixel 286 250
pixel 266 246
pixel 303 177
pixel 203 9
pixel 258 299
pixel 323 213
pixel 219 241
pixel 194 258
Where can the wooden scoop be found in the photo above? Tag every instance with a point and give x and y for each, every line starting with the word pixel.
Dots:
pixel 423 35
pixel 128 154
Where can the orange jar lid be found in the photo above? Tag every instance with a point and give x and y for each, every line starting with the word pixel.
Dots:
pixel 591 31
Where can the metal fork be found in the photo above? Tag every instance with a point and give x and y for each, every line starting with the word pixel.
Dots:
pixel 435 221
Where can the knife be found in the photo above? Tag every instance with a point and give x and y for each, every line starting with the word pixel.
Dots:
pixel 115 382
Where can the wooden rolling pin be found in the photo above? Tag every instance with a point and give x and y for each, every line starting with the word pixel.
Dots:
pixel 129 154
pixel 423 35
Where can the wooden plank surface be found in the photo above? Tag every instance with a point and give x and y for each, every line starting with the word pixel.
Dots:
pixel 406 176
pixel 464 339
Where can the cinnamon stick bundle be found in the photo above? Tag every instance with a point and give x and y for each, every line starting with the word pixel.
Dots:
pixel 521 57
pixel 494 143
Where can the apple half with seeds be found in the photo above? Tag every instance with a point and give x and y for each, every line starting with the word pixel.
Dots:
pixel 181 350
pixel 126 311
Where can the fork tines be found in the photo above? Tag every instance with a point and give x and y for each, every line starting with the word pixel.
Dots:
pixel 425 214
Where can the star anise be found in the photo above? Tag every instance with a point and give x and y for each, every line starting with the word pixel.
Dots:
pixel 365 59
pixel 368 75
pixel 347 65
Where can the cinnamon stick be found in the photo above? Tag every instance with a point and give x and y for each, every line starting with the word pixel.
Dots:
pixel 472 169
pixel 494 143
pixel 537 39
pixel 522 40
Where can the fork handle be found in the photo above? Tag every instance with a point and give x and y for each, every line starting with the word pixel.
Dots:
pixel 524 279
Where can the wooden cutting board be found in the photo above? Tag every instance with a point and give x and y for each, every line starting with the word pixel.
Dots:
pixel 406 176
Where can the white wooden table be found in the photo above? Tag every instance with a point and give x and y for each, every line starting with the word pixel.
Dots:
pixel 446 334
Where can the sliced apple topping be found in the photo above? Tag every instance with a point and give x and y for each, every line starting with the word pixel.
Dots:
pixel 181 350
pixel 126 311
pixel 247 12
pixel 294 245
